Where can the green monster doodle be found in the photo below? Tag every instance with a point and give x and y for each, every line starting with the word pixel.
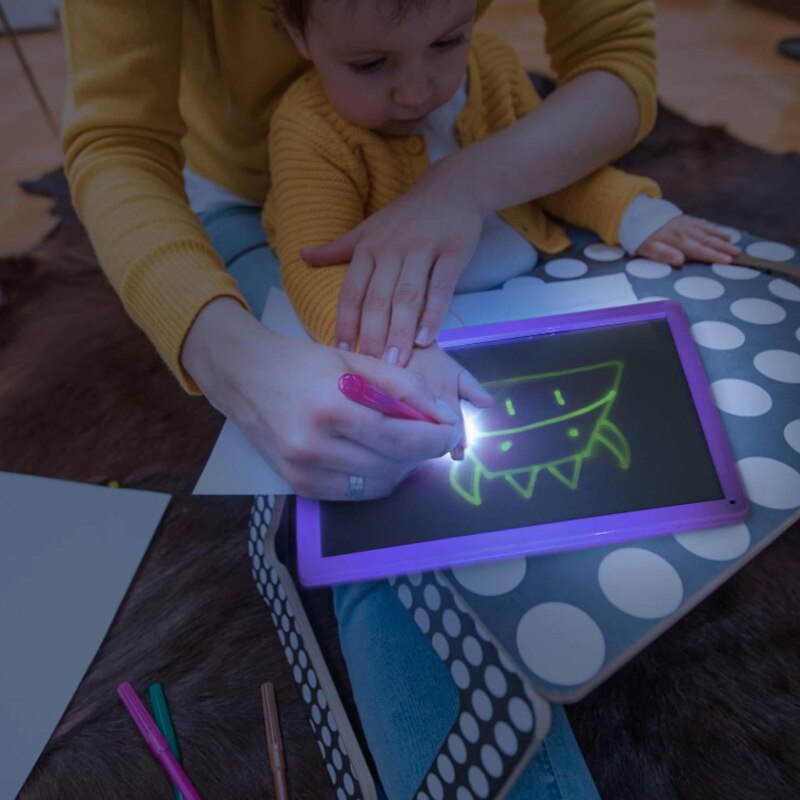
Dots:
pixel 557 418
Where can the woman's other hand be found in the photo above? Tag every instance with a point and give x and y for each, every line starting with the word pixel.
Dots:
pixel 405 261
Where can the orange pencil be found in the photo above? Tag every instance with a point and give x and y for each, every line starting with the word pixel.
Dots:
pixel 274 741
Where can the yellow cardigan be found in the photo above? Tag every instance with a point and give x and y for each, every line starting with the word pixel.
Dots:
pixel 158 82
pixel 328 175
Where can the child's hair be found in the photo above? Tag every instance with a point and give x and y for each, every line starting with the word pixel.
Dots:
pixel 297 12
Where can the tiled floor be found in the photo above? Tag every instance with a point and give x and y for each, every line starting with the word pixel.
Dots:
pixel 717 65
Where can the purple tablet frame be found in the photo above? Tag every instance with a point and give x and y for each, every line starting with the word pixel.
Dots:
pixel 317 570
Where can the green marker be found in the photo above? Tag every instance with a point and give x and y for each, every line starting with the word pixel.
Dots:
pixel 158 703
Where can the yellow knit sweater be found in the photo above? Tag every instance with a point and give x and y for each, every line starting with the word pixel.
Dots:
pixel 328 175
pixel 158 82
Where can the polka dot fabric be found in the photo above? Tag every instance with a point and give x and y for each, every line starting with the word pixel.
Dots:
pixel 500 721
pixel 569 619
pixel 302 654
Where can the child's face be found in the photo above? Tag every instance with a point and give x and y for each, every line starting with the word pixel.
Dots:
pixel 384 74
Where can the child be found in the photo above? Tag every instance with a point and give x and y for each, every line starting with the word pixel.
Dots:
pixel 396 86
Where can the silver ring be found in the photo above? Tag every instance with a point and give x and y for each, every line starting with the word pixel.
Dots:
pixel 355 487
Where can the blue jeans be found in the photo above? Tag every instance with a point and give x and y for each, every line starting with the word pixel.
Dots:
pixel 406 699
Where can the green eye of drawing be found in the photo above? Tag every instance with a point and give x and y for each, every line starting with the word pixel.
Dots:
pixel 572 433
pixel 505 446
pixel 559 397
pixel 510 408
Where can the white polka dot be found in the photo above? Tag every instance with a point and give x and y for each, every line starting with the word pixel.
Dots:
pixel 492 578
pixel 506 738
pixel 780 365
pixel 336 757
pixel 289 653
pixel 772 251
pixel 464 794
pixel 469 727
pixel 326 736
pixel 331 773
pixel 340 795
pixel 784 289
pixel 316 714
pixel 435 787
pixel 451 623
pixel 696 288
pixel 457 748
pixel 491 760
pixel 404 593
pixel 422 796
pixel 460 673
pixel 440 645
pixel 566 268
pixel 281 591
pixel 322 701
pixel 285 624
pixel 560 643
pixel 312 679
pixel 645 268
pixel 792 434
pixel 735 273
pixel 415 578
pixel 445 767
pixel 757 311
pixel 797 334
pixel 603 252
pixel 733 235
pixel 432 597
pixel 482 704
pixel 520 713
pixel 717 335
pixel 478 782
pixel 472 650
pixel 306 692
pixel 741 398
pixel 348 783
pixel 770 483
pixel 297 673
pixel 303 659
pixel 422 619
pixel 640 583
pixel 716 544
pixel 495 681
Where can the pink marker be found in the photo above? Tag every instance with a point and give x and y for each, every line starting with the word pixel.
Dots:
pixel 156 742
pixel 361 391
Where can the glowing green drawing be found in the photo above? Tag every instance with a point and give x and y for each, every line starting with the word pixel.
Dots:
pixel 560 419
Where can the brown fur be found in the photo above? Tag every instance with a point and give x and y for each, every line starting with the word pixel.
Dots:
pixel 708 711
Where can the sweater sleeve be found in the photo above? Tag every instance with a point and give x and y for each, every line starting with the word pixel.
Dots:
pixel 318 193
pixel 616 36
pixel 598 201
pixel 123 160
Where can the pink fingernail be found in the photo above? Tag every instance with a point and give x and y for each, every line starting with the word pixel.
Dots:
pixel 422 337
pixel 343 346
pixel 392 355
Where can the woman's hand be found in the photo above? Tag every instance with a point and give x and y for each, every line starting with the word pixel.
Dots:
pixel 405 261
pixel 283 394
pixel 691 238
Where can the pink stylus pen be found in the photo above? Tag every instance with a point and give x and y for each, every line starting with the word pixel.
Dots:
pixel 156 742
pixel 361 391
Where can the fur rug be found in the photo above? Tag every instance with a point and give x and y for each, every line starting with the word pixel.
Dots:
pixel 710 710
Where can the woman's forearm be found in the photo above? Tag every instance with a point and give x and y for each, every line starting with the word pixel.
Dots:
pixel 577 129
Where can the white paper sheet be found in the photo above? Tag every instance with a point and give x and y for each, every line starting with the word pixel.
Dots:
pixel 235 468
pixel 68 552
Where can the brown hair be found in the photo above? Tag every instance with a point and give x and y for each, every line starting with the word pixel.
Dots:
pixel 296 12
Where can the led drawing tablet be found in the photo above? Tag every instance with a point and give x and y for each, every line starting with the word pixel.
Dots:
pixel 603 430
